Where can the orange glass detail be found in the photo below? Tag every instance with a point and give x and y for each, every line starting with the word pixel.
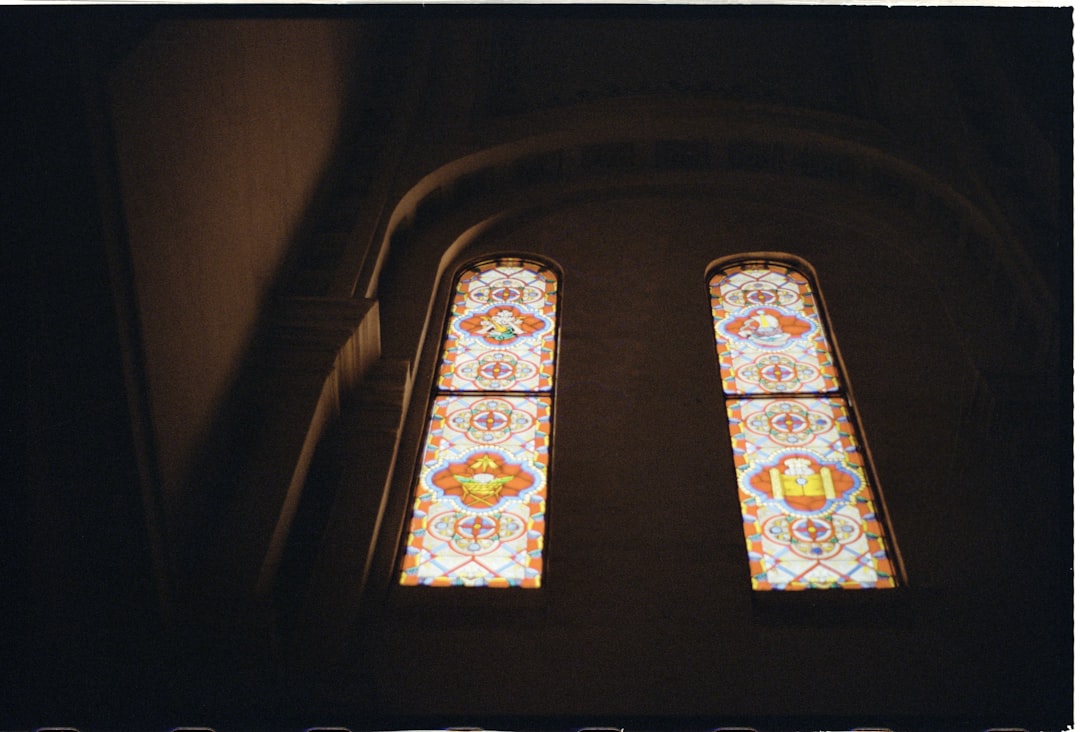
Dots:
pixel 809 512
pixel 481 494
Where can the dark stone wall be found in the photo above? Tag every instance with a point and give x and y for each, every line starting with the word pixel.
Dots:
pixel 82 621
pixel 646 612
pixel 224 131
pixel 647 619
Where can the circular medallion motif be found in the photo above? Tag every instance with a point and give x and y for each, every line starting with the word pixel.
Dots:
pixel 812 537
pixel 760 293
pixel 505 291
pixel 778 372
pixel 489 421
pixel 759 296
pixel 496 370
pixel 788 423
pixel 475 534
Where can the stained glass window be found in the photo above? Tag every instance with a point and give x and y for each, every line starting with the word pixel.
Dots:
pixel 808 506
pixel 479 501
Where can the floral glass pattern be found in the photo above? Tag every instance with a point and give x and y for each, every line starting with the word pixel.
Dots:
pixel 479 502
pixel 808 508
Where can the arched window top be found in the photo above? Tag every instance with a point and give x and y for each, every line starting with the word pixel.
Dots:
pixel 805 485
pixel 769 332
pixel 480 497
pixel 501 331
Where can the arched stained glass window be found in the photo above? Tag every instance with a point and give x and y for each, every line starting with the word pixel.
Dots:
pixel 807 502
pixel 479 501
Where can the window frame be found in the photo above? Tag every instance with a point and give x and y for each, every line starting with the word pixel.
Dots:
pixel 844 392
pixel 432 351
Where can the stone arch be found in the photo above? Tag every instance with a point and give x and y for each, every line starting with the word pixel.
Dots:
pixel 604 148
pixel 759 161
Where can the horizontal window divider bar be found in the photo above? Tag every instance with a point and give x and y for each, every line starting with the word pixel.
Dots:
pixel 454 393
pixel 789 395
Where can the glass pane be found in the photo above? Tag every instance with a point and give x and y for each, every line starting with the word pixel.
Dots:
pixel 501 335
pixel 808 511
pixel 769 336
pixel 478 514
